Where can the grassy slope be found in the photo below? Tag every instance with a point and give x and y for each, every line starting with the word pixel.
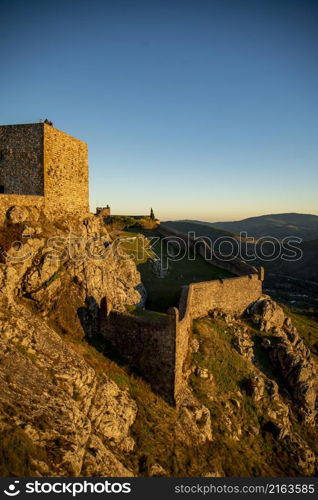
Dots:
pixel 258 455
pixel 307 324
pixel 165 292
pixel 134 244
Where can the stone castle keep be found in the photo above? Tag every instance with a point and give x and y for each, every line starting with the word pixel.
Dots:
pixel 44 167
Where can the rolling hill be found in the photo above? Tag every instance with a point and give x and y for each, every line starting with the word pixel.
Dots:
pixel 304 226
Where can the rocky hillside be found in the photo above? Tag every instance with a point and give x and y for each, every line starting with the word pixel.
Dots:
pixel 258 378
pixel 69 406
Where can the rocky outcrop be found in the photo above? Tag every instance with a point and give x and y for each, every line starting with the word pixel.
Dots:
pixel 243 342
pixel 301 454
pixel 256 387
pixel 71 420
pixel 231 415
pixel 67 269
pixel 76 420
pixel 289 355
pixel 300 374
pixel 194 421
pixel 266 314
pixel 156 470
pixel 273 346
pixel 17 214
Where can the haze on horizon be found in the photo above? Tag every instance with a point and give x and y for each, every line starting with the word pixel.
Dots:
pixel 200 109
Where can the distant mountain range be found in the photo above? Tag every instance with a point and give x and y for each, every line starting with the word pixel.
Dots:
pixel 304 226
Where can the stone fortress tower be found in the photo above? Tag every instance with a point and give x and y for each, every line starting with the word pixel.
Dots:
pixel 44 167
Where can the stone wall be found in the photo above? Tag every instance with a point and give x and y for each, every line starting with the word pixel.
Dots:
pixel 21 159
pixel 147 346
pixel 65 172
pixel 183 336
pixel 160 351
pixel 231 295
pixel 10 200
pixel 235 265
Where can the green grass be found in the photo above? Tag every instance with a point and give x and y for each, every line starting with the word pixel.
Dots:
pixel 153 316
pixel 219 356
pixel 24 351
pixel 253 455
pixel 138 248
pixel 165 292
pixel 306 323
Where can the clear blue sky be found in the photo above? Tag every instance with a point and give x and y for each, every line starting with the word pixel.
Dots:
pixel 200 109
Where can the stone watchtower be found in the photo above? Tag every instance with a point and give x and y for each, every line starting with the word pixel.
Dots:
pixel 44 167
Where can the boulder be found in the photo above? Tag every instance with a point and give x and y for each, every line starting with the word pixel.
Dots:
pixel 266 313
pixel 17 214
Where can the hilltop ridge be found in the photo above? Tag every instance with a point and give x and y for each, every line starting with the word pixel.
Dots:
pixel 276 225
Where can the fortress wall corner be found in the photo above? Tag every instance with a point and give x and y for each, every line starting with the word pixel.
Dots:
pixel 232 295
pixel 65 172
pixel 182 359
pixel 147 346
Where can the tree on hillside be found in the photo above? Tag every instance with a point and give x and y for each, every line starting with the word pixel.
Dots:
pixel 152 215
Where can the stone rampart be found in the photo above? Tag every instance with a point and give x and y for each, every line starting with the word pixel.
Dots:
pixel 159 351
pixel 234 265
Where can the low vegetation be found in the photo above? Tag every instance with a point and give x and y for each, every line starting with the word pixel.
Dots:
pixel 134 244
pixel 119 222
pixel 306 322
pixel 164 289
pixel 147 314
pixel 258 453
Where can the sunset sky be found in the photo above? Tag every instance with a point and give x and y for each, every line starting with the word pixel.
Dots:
pixel 200 109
